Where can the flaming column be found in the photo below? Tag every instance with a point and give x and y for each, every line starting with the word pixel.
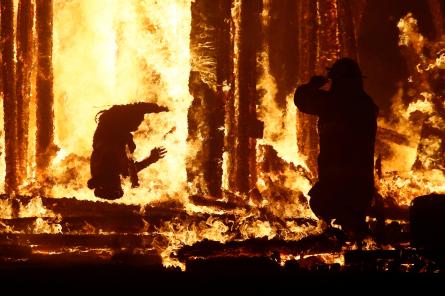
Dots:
pixel 326 33
pixel 243 125
pixel 211 50
pixel 307 56
pixel 44 85
pixel 281 39
pixel 9 94
pixel 438 21
pixel 24 39
pixel 348 43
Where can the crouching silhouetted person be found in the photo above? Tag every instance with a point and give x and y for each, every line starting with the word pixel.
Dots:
pixel 347 129
pixel 113 147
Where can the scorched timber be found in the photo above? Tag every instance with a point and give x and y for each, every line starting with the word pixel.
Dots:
pixel 44 85
pixel 9 93
pixel 50 242
pixel 83 217
pixel 67 256
pixel 211 60
pixel 25 21
pixel 242 124
pixel 307 50
pixel 326 32
pixel 261 247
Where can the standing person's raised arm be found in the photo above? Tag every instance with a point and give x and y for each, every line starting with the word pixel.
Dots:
pixel 310 98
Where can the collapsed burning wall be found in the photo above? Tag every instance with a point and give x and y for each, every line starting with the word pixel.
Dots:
pixel 240 158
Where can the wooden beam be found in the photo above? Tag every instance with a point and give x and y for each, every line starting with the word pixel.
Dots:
pixel 211 50
pixel 25 23
pixel 244 165
pixel 9 94
pixel 45 147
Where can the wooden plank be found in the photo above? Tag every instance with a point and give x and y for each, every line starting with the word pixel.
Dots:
pixel 261 247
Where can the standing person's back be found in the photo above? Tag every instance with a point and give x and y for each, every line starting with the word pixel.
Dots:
pixel 347 127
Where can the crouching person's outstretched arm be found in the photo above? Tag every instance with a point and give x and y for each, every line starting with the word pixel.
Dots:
pixel 155 155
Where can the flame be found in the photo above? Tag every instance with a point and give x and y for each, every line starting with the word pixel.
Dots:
pixel 409 34
pixel 46 221
pixel 33 208
pixel 2 152
pixel 45 226
pixel 415 168
pixel 280 134
pixel 118 52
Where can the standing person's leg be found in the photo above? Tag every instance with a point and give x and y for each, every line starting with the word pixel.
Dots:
pixel 352 216
pixel 321 202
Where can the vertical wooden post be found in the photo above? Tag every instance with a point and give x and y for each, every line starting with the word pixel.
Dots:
pixel 211 68
pixel 326 33
pixel 25 21
pixel 281 38
pixel 230 140
pixel 249 44
pixel 438 19
pixel 357 8
pixel 348 43
pixel 44 85
pixel 307 135
pixel 329 34
pixel 9 94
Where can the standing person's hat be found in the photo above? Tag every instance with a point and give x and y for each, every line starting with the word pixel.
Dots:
pixel 344 68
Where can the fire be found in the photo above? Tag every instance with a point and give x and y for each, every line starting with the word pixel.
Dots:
pixel 416 167
pixel 280 133
pixel 43 226
pixel 116 53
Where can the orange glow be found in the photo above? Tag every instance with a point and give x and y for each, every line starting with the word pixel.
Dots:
pixel 118 52
pixel 402 180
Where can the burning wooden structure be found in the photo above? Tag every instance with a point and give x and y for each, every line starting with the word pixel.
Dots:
pixel 241 158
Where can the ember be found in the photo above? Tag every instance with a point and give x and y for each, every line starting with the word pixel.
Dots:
pixel 240 158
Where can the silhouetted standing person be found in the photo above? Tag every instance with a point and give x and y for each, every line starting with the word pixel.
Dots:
pixel 347 128
pixel 113 147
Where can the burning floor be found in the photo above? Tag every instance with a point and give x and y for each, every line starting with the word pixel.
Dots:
pixel 162 239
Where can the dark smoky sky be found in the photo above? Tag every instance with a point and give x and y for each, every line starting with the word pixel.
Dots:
pixel 380 57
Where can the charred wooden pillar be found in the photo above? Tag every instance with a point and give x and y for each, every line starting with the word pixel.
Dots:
pixel 327 33
pixel 307 134
pixel 246 127
pixel 9 94
pixel 230 140
pixel 44 85
pixel 357 8
pixel 282 42
pixel 210 46
pixel 24 37
pixel 348 41
pixel 437 17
